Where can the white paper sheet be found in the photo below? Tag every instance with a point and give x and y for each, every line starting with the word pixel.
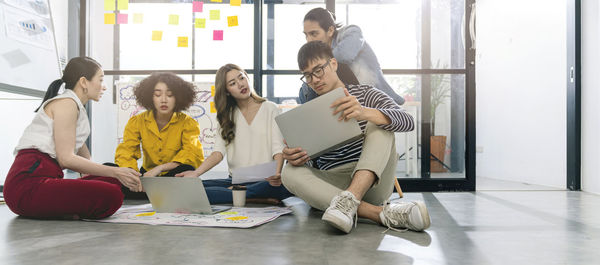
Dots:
pixel 253 173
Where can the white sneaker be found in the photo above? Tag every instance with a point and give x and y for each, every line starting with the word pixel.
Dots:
pixel 407 215
pixel 341 213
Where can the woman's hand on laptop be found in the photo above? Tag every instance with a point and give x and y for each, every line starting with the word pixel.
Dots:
pixel 188 174
pixel 129 178
pixel 296 156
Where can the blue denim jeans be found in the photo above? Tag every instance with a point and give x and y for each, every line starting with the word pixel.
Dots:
pixel 218 192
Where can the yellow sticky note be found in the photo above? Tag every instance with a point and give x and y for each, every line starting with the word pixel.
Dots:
pixel 109 5
pixel 237 218
pixel 173 19
pixel 232 21
pixel 156 35
pixel 138 18
pixel 109 18
pixel 228 213
pixel 212 91
pixel 235 2
pixel 215 14
pixel 122 4
pixel 146 214
pixel 218 1
pixel 182 41
pixel 212 108
pixel 200 23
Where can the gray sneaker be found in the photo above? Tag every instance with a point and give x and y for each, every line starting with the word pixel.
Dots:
pixel 341 213
pixel 406 215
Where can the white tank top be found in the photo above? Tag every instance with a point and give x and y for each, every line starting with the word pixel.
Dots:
pixel 40 133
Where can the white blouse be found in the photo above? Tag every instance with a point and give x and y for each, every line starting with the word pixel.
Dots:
pixel 254 143
pixel 40 133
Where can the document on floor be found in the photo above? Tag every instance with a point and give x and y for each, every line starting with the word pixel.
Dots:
pixel 254 173
pixel 236 217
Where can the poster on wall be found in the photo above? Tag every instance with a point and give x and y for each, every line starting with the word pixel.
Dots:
pixel 28 28
pixel 201 111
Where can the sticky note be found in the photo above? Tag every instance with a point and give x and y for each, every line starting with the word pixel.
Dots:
pixel 200 23
pixel 122 4
pixel 122 19
pixel 156 35
pixel 109 5
pixel 138 18
pixel 212 91
pixel 228 213
pixel 146 214
pixel 218 1
pixel 173 19
pixel 212 108
pixel 197 6
pixel 182 41
pixel 232 21
pixel 237 218
pixel 218 35
pixel 109 18
pixel 215 14
pixel 235 2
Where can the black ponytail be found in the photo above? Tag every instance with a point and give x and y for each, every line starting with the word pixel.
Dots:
pixel 325 19
pixel 76 68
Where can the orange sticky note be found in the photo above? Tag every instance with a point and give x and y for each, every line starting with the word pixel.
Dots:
pixel 156 35
pixel 212 107
pixel 235 2
pixel 109 18
pixel 138 18
pixel 232 21
pixel 109 5
pixel 200 23
pixel 173 19
pixel 182 41
pixel 122 4
pixel 212 91
pixel 215 14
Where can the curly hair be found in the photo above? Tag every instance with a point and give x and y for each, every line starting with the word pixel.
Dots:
pixel 225 103
pixel 183 91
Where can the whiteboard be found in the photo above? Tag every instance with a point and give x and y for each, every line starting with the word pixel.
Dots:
pixel 28 54
pixel 201 111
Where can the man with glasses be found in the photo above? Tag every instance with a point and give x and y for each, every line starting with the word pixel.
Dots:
pixel 357 178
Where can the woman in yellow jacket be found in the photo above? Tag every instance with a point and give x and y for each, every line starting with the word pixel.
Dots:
pixel 168 137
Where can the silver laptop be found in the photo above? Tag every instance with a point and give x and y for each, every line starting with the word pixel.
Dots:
pixel 179 195
pixel 313 127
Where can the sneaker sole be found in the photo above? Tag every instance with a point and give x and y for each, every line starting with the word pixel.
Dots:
pixel 333 221
pixel 424 214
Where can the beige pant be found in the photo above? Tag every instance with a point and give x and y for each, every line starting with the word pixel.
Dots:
pixel 318 187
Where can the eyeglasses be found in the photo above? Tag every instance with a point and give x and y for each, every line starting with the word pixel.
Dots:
pixel 318 73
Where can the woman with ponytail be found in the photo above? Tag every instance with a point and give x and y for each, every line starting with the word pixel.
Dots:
pixel 55 140
pixel 248 134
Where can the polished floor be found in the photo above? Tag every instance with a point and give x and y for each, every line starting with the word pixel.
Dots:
pixel 485 227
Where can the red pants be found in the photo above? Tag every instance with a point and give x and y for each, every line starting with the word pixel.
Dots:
pixel 35 187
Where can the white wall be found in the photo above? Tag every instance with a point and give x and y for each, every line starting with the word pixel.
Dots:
pixel 521 91
pixel 590 96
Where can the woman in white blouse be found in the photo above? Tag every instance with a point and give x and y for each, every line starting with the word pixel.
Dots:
pixel 247 133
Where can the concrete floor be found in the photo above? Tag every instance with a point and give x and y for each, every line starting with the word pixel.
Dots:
pixel 489 227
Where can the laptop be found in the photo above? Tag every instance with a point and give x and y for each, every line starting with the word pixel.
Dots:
pixel 312 126
pixel 179 195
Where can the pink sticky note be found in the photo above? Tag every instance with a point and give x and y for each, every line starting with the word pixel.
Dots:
pixel 218 35
pixel 122 18
pixel 197 6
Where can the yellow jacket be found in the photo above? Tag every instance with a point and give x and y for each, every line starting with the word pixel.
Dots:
pixel 176 142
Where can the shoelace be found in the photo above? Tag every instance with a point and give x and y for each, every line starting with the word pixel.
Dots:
pixel 345 204
pixel 396 217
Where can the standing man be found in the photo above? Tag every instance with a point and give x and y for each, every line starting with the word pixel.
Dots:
pixel 349 48
pixel 357 178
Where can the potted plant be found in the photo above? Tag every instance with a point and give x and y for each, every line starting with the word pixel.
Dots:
pixel 440 92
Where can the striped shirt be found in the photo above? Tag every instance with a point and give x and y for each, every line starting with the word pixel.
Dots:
pixel 370 97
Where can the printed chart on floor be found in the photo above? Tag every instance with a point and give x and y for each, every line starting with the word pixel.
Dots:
pixel 202 110
pixel 236 217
